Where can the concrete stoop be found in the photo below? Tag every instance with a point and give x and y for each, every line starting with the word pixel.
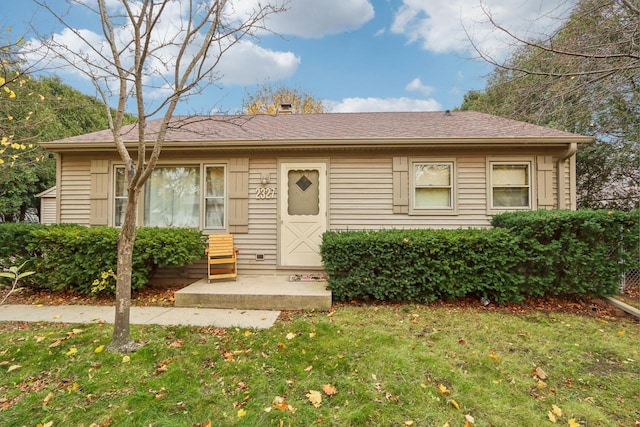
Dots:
pixel 255 293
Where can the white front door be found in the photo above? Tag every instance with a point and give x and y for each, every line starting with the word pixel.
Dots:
pixel 303 213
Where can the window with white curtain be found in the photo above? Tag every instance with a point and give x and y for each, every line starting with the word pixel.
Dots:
pixel 172 197
pixel 510 185
pixel 433 186
pixel 214 198
pixel 176 196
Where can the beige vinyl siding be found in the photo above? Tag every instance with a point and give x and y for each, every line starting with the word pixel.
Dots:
pixel 48 210
pixel 362 196
pixel 74 190
pixel 262 237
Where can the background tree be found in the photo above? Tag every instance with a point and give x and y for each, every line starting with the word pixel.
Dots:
pixel 166 46
pixel 268 100
pixel 583 78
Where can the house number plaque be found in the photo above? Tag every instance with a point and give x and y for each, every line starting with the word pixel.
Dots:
pixel 265 193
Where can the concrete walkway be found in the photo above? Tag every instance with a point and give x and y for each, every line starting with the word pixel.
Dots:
pixel 222 318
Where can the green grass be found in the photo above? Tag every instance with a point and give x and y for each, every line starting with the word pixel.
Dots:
pixel 390 365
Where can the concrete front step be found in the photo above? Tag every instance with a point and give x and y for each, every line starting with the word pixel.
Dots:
pixel 255 293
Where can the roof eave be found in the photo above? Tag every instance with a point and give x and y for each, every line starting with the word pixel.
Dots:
pixel 331 143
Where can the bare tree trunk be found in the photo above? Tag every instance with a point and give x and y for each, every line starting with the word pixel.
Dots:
pixel 121 341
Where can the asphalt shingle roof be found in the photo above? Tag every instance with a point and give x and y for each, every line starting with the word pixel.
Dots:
pixel 336 126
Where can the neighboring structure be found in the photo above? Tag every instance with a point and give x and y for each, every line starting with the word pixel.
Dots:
pixel 48 206
pixel 278 182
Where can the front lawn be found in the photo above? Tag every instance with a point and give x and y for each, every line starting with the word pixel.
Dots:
pixel 391 365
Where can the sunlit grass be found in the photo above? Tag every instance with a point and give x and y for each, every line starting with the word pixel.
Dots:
pixel 396 365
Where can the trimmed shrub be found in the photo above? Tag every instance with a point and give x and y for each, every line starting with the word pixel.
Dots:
pixel 528 254
pixel 14 239
pixel 74 257
pixel 574 252
pixel 422 265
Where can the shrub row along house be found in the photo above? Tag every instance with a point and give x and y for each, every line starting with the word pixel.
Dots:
pixel 277 182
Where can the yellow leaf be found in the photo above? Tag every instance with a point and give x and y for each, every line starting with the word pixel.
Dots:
pixel 493 356
pixel 408 423
pixel 620 333
pixel 99 349
pixel 126 359
pixel 13 368
pixel 72 351
pixel 329 389
pixel 47 399
pixel 312 334
pixel 248 333
pixel 455 404
pixel 290 336
pixel 242 413
pixel 315 398
pixel 556 410
pixel 444 390
pixel 573 423
pixel 552 417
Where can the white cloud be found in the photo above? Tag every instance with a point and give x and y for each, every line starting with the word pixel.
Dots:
pixel 313 18
pixel 440 25
pixel 248 63
pixel 81 54
pixel 352 105
pixel 416 85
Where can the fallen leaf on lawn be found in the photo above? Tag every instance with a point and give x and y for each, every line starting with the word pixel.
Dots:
pixel 13 368
pixel 176 344
pixel 39 338
pixel 312 334
pixel 282 345
pixel 57 316
pixel 290 336
pixel 55 343
pixel 443 389
pixel 242 413
pixel 73 387
pixel 470 419
pixel 493 356
pixel 99 349
pixel 540 373
pixel 552 417
pixel 49 424
pixel 308 368
pixel 620 333
pixel 126 359
pixel 573 423
pixel 408 423
pixel 72 351
pixel 455 404
pixel 556 410
pixel 461 341
pixel 48 398
pixel 77 331
pixel 329 389
pixel 315 398
pixel 248 333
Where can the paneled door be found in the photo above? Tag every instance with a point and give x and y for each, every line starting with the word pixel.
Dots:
pixel 303 213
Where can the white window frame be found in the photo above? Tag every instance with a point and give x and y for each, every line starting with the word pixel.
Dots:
pixel 225 198
pixel 202 200
pixel 117 197
pixel 436 210
pixel 511 161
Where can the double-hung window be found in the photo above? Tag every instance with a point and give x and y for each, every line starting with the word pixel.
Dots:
pixel 178 196
pixel 510 185
pixel 433 186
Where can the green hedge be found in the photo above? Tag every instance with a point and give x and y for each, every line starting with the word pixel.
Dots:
pixel 532 253
pixel 14 237
pixel 574 252
pixel 422 265
pixel 72 257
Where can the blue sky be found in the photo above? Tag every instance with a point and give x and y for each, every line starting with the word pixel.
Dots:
pixel 355 55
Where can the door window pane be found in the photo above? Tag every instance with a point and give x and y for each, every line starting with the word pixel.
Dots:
pixel 303 193
pixel 172 197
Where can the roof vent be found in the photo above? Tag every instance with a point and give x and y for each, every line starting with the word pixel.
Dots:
pixel 285 108
pixel 447 113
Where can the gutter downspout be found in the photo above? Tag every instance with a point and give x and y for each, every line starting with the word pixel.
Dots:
pixel 573 147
